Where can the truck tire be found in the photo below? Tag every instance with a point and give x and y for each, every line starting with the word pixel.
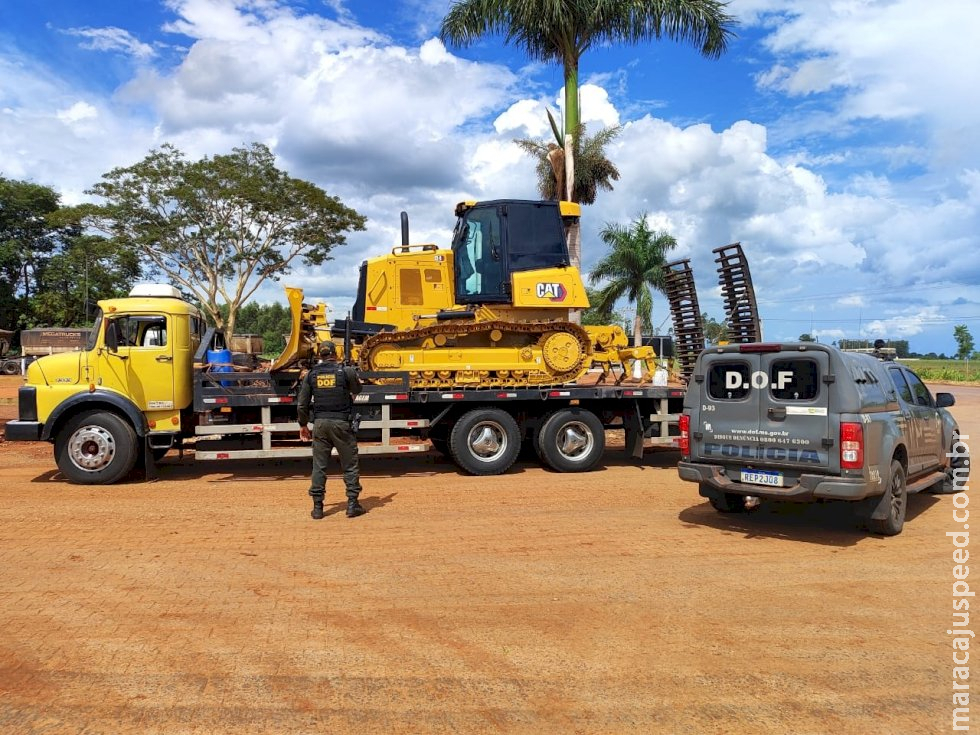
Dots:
pixel 571 440
pixel 727 502
pixel 10 368
pixel 898 502
pixel 485 441
pixel 96 448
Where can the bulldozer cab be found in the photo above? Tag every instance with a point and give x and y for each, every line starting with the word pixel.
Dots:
pixel 492 240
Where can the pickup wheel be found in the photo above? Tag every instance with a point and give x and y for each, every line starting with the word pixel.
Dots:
pixel 571 440
pixel 96 448
pixel 485 441
pixel 957 472
pixel 898 502
pixel 728 503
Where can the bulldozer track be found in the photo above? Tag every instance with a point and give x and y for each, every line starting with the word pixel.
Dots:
pixel 738 293
pixel 685 313
pixel 536 374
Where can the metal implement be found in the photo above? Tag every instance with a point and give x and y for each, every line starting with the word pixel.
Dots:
pixel 685 313
pixel 741 311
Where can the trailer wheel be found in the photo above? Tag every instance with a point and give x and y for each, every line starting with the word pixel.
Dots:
pixel 10 368
pixel 571 440
pixel 96 448
pixel 485 441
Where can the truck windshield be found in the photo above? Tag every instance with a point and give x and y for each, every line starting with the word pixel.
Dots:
pixel 94 334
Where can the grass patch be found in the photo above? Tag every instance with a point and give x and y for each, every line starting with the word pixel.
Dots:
pixel 946 371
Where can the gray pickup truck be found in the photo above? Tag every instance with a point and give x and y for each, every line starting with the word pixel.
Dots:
pixel 807 422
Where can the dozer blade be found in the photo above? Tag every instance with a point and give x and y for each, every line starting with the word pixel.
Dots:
pixel 685 313
pixel 307 329
pixel 739 295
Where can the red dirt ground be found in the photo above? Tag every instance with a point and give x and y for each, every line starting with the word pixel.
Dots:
pixel 615 601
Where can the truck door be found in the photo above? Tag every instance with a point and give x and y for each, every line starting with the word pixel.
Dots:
pixel 143 364
pixel 918 408
pixel 728 416
pixel 794 424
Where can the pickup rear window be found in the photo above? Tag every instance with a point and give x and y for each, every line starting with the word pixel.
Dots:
pixel 729 381
pixel 794 380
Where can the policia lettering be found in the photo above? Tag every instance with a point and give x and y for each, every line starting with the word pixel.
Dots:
pixel 326 396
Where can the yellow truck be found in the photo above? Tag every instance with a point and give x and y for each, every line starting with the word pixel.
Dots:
pixel 153 376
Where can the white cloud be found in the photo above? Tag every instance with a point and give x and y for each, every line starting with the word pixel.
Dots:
pixel 112 39
pixel 77 112
pixel 907 324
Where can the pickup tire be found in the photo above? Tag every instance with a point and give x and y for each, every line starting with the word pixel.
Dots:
pixel 956 469
pixel 898 503
pixel 485 441
pixel 571 440
pixel 96 448
pixel 728 502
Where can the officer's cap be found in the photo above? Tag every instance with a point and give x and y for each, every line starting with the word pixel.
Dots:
pixel 327 349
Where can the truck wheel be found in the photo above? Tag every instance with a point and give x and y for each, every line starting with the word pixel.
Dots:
pixel 571 440
pixel 898 502
pixel 10 368
pixel 96 448
pixel 728 502
pixel 485 441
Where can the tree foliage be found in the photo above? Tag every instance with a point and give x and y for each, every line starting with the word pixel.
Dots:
pixel 220 226
pixel 50 272
pixel 964 341
pixel 593 170
pixel 715 331
pixel 633 267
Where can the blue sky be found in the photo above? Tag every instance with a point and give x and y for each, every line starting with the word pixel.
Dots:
pixel 836 141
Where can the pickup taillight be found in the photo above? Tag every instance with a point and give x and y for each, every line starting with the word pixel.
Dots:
pixel 851 445
pixel 684 423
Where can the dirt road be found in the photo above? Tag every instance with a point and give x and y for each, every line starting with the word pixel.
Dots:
pixel 614 602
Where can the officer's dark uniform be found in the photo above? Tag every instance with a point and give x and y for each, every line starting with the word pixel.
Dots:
pixel 326 392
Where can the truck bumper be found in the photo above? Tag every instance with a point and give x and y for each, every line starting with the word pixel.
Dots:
pixel 23 431
pixel 712 480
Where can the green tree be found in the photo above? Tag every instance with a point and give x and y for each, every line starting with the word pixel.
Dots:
pixel 86 269
pixel 219 227
pixel 715 331
pixel 632 268
pixel 806 337
pixel 560 31
pixel 593 170
pixel 27 240
pixel 964 341
pixel 596 317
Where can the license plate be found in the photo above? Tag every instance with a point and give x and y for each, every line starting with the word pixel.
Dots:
pixel 762 477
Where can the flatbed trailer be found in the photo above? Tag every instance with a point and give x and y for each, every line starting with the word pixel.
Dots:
pixel 483 430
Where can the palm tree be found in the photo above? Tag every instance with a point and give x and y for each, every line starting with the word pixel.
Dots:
pixel 632 268
pixel 562 30
pixel 593 170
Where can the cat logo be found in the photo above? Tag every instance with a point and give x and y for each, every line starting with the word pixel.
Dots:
pixel 326 381
pixel 551 291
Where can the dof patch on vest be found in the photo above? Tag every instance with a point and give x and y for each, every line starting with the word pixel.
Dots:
pixel 326 381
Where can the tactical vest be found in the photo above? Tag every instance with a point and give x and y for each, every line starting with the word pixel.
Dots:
pixel 331 394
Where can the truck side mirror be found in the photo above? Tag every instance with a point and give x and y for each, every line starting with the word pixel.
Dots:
pixel 945 400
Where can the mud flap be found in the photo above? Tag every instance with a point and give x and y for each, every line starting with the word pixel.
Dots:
pixel 149 464
pixel 633 424
pixel 877 508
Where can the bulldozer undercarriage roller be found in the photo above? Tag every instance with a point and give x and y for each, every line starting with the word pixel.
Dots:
pixel 481 354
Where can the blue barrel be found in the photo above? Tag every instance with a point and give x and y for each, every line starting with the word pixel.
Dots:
pixel 220 361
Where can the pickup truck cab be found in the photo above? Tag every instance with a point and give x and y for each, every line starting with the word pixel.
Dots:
pixel 807 422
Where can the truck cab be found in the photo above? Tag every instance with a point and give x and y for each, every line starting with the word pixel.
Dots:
pixel 806 422
pixel 131 382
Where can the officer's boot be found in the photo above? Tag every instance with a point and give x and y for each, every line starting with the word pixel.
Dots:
pixel 354 508
pixel 317 512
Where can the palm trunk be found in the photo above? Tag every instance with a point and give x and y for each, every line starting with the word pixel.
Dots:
pixel 637 330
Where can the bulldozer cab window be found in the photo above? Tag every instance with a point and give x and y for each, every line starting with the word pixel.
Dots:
pixel 479 257
pixel 536 237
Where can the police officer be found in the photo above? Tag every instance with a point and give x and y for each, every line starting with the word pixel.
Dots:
pixel 327 392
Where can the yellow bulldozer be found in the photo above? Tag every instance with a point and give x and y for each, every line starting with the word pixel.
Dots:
pixel 491 311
